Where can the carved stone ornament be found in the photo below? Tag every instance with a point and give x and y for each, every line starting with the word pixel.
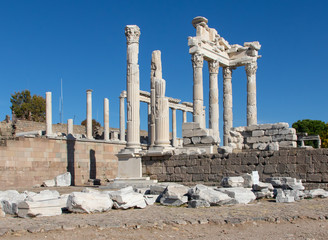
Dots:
pixel 197 60
pixel 132 33
pixel 251 68
pixel 227 72
pixel 213 66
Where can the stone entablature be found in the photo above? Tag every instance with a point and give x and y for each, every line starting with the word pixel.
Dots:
pixel 263 137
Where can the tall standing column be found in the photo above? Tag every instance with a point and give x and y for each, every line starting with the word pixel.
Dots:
pixel 227 103
pixel 89 114
pixel 184 116
pixel 213 67
pixel 48 114
pixel 70 126
pixel 174 127
pixel 106 119
pixel 156 72
pixel 197 64
pixel 122 116
pixel 132 33
pixel 251 93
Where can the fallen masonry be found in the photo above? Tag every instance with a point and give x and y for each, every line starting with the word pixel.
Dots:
pixel 234 190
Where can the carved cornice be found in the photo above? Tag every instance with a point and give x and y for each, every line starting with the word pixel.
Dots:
pixel 227 72
pixel 132 33
pixel 197 60
pixel 251 68
pixel 213 66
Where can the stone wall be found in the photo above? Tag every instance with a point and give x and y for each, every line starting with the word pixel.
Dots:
pixel 263 137
pixel 25 162
pixel 309 165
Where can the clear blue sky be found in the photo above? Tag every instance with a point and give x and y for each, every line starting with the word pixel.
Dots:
pixel 83 43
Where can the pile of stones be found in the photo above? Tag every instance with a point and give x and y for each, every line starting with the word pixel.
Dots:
pixel 233 190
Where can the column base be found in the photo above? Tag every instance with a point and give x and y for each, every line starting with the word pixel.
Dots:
pixel 160 151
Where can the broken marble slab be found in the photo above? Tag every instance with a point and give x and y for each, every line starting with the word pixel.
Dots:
pixel 261 185
pixel 286 183
pixel 151 199
pixel 63 180
pixel 174 195
pixel 43 195
pixel 53 207
pixel 81 202
pixel 263 193
pixel 239 194
pixel 281 197
pixel 231 182
pixel 198 203
pixel 316 193
pixel 9 200
pixel 127 198
pixel 213 197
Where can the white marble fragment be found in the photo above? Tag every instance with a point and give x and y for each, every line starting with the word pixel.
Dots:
pixel 241 195
pixel 63 180
pixel 89 202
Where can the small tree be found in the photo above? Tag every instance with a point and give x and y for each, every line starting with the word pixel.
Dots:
pixel 26 107
pixel 95 126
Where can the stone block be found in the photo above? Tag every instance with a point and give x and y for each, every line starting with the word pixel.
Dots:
pixel 127 198
pixel 195 140
pixel 190 125
pixel 314 177
pixel 207 140
pixel 288 144
pixel 257 133
pixel 260 186
pixel 281 197
pixel 49 183
pixel 41 208
pixel 186 141
pixel 151 199
pixel 63 180
pixel 42 196
pixel 232 182
pixel 271 132
pixel 269 169
pixel 280 125
pixel 265 126
pixel 240 195
pixel 197 203
pixel 288 131
pixel 316 193
pixel 10 199
pixel 89 202
pixel 211 196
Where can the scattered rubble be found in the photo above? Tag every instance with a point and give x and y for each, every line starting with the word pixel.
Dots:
pixel 82 202
pixel 62 180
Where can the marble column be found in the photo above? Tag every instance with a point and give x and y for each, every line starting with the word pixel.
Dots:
pixel 162 135
pixel 48 114
pixel 132 33
pixel 184 116
pixel 251 93
pixel 227 104
pixel 70 126
pixel 89 114
pixel 156 72
pixel 122 116
pixel 174 127
pixel 213 67
pixel 106 119
pixel 197 64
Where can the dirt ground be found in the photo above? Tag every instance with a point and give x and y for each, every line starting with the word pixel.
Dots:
pixel 265 219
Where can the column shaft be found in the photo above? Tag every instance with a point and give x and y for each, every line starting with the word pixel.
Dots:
pixel 122 116
pixel 227 104
pixel 174 127
pixel 197 60
pixel 213 67
pixel 251 93
pixel 89 114
pixel 48 114
pixel 106 119
pixel 184 116
pixel 70 126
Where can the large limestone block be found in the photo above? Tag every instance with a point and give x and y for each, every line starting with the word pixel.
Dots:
pixel 9 200
pixel 213 197
pixel 40 208
pixel 175 195
pixel 281 197
pixel 241 195
pixel 316 193
pixel 159 188
pixel 261 185
pixel 49 183
pixel 198 203
pixel 232 182
pixel 127 198
pixel 89 202
pixel 43 195
pixel 63 180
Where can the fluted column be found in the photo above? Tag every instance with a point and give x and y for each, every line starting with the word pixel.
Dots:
pixel 184 116
pixel 251 93
pixel 197 64
pixel 70 126
pixel 48 114
pixel 227 103
pixel 106 119
pixel 174 127
pixel 213 68
pixel 122 116
pixel 89 114
pixel 132 33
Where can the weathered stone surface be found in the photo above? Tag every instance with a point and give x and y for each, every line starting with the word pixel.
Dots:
pixel 198 203
pixel 225 149
pixel 43 195
pixel 151 199
pixel 213 197
pixel 241 195
pixel 286 183
pixel 127 198
pixel 158 189
pixel 2 213
pixel 232 182
pixel 264 193
pixel 41 208
pixel 175 195
pixel 281 197
pixel 248 180
pixel 260 186
pixel 49 183
pixel 316 193
pixel 207 140
pixel 89 202
pixel 9 200
pixel 186 141
pixel 63 180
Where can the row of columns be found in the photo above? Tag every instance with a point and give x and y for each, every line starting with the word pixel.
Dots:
pixel 198 100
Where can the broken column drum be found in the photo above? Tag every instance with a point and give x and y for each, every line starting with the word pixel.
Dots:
pixel 132 33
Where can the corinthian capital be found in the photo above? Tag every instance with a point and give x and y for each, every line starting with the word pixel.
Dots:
pixel 197 60
pixel 132 33
pixel 227 72
pixel 213 66
pixel 251 68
